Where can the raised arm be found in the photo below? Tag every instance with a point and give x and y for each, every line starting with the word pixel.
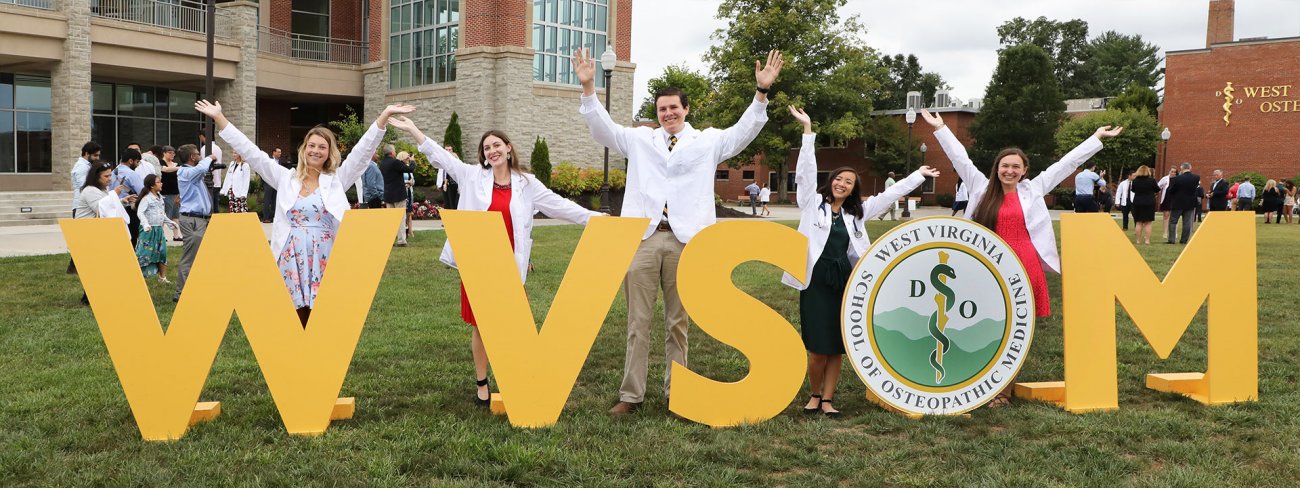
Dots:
pixel 878 204
pixel 737 137
pixel 805 170
pixel 1058 172
pixel 438 156
pixel 355 165
pixel 604 130
pixel 956 152
pixel 556 206
pixel 257 160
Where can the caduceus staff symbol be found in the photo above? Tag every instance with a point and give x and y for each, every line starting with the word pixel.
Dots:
pixel 944 299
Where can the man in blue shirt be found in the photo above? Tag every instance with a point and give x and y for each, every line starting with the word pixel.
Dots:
pixel 372 183
pixel 124 175
pixel 196 208
pixel 1085 185
pixel 1246 195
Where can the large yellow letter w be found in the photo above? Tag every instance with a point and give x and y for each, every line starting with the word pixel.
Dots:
pixel 162 373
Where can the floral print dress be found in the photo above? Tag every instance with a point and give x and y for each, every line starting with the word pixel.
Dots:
pixel 311 238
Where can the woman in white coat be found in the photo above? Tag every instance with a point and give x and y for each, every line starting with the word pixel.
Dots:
pixel 235 185
pixel 1013 207
pixel 496 184
pixel 310 200
pixel 834 219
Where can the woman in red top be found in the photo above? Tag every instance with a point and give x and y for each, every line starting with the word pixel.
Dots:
pixel 1013 206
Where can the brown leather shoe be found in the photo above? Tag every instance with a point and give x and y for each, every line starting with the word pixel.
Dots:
pixel 624 408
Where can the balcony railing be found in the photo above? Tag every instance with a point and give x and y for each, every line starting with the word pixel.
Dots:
pixel 45 4
pixel 311 48
pixel 186 15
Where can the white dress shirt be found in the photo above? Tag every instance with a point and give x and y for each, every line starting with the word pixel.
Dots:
pixel 1122 194
pixel 527 196
pixel 1031 192
pixel 681 179
pixel 332 186
pixel 815 213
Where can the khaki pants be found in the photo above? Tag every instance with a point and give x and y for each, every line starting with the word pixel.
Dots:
pixel 193 229
pixel 654 266
pixel 401 229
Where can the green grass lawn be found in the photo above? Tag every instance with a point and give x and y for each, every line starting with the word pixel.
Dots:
pixel 64 419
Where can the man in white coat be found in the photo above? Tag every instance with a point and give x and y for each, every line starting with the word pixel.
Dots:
pixel 669 179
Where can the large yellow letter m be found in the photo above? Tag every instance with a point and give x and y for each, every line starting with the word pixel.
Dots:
pixel 1100 266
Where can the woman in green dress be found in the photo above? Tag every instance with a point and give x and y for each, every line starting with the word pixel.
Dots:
pixel 834 219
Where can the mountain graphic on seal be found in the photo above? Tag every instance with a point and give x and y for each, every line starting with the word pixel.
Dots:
pixel 904 342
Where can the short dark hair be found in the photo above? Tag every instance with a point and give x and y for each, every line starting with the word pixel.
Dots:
pixel 672 91
pixel 91 147
pixel 129 154
pixel 136 144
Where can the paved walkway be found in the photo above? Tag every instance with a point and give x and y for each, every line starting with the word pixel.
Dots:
pixel 39 240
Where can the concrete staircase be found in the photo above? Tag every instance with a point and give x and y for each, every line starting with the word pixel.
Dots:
pixel 34 207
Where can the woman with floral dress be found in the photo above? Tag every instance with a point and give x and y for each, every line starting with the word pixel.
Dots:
pixel 310 199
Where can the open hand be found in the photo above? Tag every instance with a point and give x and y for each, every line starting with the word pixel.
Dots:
pixel 803 118
pixel 584 66
pixel 766 75
pixel 1107 131
pixel 928 171
pixel 933 119
pixel 402 123
pixel 399 108
pixel 210 109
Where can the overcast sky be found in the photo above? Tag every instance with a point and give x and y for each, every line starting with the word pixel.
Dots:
pixel 955 38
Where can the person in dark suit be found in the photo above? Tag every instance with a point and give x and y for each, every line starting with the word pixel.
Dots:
pixel 1218 192
pixel 1182 197
pixel 394 186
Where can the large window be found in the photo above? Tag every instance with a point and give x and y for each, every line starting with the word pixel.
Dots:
pixel 25 124
pixel 311 18
pixel 561 27
pixel 122 114
pixel 422 49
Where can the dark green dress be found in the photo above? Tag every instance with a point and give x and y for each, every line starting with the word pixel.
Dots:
pixel 820 303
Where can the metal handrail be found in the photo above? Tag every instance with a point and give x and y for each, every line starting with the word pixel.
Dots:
pixel 44 4
pixel 186 15
pixel 311 48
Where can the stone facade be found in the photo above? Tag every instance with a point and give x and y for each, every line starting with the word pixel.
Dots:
pixel 70 95
pixel 238 20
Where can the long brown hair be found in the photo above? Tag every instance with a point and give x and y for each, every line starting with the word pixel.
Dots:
pixel 512 157
pixel 331 162
pixel 853 202
pixel 986 213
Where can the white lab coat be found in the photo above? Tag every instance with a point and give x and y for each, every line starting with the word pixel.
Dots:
pixel 681 179
pixel 1031 192
pixel 332 185
pixel 527 196
pixel 815 213
pixel 1122 194
pixel 237 179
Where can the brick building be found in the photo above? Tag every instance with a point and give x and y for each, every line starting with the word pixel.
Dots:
pixel 1234 105
pixel 120 71
pixel 730 183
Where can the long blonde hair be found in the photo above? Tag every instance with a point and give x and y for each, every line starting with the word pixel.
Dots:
pixel 331 163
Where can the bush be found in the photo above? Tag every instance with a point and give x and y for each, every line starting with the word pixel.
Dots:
pixel 945 200
pixel 1064 198
pixel 425 173
pixel 1255 179
pixel 618 179
pixel 541 161
pixel 566 179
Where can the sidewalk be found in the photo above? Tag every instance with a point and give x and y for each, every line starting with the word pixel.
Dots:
pixel 39 240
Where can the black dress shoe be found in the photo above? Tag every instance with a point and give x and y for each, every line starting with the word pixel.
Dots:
pixel 482 402
pixel 813 410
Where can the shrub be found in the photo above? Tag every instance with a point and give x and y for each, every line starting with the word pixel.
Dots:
pixel 425 173
pixel 541 161
pixel 945 200
pixel 566 179
pixel 1064 198
pixel 1255 179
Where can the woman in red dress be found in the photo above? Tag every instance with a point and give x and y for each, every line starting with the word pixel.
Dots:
pixel 1013 206
pixel 496 184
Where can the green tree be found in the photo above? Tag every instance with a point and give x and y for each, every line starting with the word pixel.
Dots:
pixel 1117 61
pixel 697 87
pixel 1137 97
pixel 900 74
pixel 1066 44
pixel 349 128
pixel 451 136
pixel 885 145
pixel 1023 107
pixel 1135 147
pixel 541 161
pixel 828 71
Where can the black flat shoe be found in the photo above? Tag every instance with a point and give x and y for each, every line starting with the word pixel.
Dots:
pixel 813 410
pixel 482 402
pixel 830 415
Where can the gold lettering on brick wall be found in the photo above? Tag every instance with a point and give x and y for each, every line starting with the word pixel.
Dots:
pixel 1264 92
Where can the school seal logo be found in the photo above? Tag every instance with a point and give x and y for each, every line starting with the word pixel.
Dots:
pixel 938 317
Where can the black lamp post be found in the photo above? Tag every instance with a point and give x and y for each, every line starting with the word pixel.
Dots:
pixel 607 61
pixel 911 119
pixel 1164 155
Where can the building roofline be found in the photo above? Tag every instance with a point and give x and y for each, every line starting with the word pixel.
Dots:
pixel 1244 42
pixel 903 111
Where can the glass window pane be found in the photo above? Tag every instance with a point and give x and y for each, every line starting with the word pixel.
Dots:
pixel 550 39
pixel 131 130
pixel 183 133
pixel 7 158
pixel 444 11
pixel 537 37
pixel 453 41
pixel 537 67
pixel 539 11
pixel 602 18
pixel 182 107
pixel 393 16
pixel 310 24
pixel 455 10
pixel 564 42
pixel 160 102
pixel 101 98
pixel 417 15
pixel 7 91
pixel 444 45
pixel 451 68
pixel 317 6
pixel 34 142
pixel 550 68
pixel 565 12
pixel 589 43
pixel 161 134
pixel 589 17
pixel 576 16
pixel 104 131
pixel 31 92
pixel 135 100
pixel 406 17
pixel 566 70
